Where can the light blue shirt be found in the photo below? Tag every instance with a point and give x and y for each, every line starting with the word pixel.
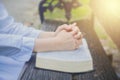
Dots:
pixel 16 45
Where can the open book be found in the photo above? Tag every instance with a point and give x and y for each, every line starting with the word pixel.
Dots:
pixel 75 61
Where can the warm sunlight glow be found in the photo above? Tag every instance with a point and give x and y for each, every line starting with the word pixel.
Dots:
pixel 113 7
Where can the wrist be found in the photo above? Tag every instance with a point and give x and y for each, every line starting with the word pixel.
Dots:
pixel 49 44
pixel 35 49
pixel 53 34
pixel 47 35
pixel 58 43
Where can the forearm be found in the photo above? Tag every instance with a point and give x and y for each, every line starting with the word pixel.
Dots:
pixel 47 34
pixel 42 45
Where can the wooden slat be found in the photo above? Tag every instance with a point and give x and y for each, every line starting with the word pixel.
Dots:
pixel 32 73
pixel 102 66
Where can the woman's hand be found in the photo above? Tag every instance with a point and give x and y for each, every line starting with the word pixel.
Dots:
pixel 66 37
pixel 72 28
pixel 63 41
pixel 63 27
pixel 66 41
pixel 69 28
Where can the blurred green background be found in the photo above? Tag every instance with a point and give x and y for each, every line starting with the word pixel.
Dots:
pixel 77 13
pixel 80 13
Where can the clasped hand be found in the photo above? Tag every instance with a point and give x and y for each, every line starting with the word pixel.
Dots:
pixel 69 36
pixel 66 37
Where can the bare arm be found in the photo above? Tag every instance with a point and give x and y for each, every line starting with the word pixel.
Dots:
pixel 63 41
pixel 47 34
pixel 45 45
pixel 64 38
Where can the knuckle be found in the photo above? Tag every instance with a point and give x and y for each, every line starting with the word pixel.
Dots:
pixel 64 24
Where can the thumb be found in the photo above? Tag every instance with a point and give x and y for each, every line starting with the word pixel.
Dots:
pixel 74 24
pixel 67 28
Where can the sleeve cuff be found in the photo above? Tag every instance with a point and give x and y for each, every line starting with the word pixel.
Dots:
pixel 35 33
pixel 26 50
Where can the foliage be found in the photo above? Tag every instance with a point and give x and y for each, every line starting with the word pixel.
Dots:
pixel 76 14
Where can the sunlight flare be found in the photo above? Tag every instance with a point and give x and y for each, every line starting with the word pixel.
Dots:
pixel 113 7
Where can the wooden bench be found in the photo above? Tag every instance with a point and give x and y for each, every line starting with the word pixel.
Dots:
pixel 102 67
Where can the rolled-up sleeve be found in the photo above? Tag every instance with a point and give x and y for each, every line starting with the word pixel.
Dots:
pixel 16 40
pixel 17 47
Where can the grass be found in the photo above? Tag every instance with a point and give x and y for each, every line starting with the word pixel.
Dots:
pixel 76 14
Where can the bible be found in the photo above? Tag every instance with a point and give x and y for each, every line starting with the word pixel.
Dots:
pixel 74 61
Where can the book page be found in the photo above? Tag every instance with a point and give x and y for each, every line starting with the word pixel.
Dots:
pixel 75 55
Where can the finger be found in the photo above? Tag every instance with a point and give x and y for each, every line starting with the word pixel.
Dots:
pixel 62 26
pixel 74 31
pixel 77 46
pixel 66 27
pixel 63 31
pixel 82 35
pixel 78 43
pixel 77 28
pixel 74 24
pixel 78 36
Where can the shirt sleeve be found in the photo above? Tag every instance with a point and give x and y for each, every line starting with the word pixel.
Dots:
pixel 17 47
pixel 9 26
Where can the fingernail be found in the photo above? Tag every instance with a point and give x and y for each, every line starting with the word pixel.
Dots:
pixel 74 24
pixel 75 36
pixel 80 33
